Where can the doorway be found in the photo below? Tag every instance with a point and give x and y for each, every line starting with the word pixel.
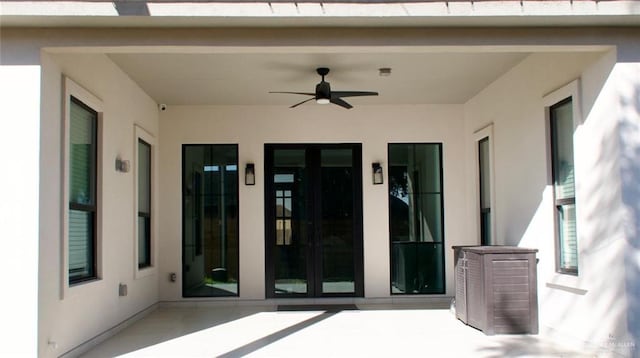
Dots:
pixel 313 216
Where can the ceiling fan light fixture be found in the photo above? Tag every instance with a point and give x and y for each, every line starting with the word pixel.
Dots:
pixel 324 95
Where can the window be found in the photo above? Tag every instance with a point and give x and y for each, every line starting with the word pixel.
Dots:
pixel 81 221
pixel 416 218
pixel 144 255
pixel 144 204
pixel 210 220
pixel 563 176
pixel 82 192
pixel 485 204
pixel 485 191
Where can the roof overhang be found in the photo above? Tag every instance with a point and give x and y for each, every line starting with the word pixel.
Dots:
pixel 318 14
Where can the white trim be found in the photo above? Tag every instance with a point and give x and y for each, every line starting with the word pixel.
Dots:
pixel 71 88
pixel 571 89
pixel 486 132
pixel 141 133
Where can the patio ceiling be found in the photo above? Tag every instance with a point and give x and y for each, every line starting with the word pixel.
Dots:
pixel 246 78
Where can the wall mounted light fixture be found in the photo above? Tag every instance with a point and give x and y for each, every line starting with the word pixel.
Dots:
pixel 122 290
pixel 250 174
pixel 122 165
pixel 378 178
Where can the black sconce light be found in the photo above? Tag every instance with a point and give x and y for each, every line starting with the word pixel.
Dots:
pixel 249 174
pixel 378 178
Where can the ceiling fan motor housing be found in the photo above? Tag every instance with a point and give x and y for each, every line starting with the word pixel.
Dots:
pixel 323 91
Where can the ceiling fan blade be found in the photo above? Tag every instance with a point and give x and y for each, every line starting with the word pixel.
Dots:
pixel 305 101
pixel 340 102
pixel 302 93
pixel 352 93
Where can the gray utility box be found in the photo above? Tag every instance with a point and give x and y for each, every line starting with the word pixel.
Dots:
pixel 496 288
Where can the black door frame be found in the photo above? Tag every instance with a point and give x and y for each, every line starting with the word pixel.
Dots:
pixel 314 253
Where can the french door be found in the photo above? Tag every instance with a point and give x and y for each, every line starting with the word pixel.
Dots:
pixel 313 204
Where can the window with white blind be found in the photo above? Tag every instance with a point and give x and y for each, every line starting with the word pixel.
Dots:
pixel 563 174
pixel 81 195
pixel 82 179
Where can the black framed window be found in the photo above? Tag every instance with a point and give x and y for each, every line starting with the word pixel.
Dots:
pixel 210 251
pixel 144 204
pixel 563 173
pixel 485 190
pixel 82 216
pixel 416 218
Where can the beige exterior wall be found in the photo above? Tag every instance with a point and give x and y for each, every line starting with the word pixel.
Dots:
pixel 252 126
pixel 515 104
pixel 72 316
pixel 19 207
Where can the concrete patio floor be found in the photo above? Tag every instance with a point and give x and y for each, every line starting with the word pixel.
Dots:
pixel 262 331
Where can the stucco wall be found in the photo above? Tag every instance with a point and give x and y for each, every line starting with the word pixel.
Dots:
pixel 624 94
pixel 524 202
pixel 253 126
pixel 19 207
pixel 91 308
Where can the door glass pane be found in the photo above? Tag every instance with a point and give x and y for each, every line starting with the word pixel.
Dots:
pixel 286 158
pixel 290 191
pixel 416 218
pixel 210 221
pixel 338 274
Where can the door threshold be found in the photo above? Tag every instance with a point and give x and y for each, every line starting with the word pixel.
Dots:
pixel 318 307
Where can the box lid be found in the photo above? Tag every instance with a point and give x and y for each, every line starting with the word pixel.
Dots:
pixel 496 249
